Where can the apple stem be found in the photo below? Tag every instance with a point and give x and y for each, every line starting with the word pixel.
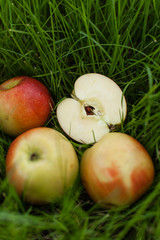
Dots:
pixel 34 157
pixel 111 127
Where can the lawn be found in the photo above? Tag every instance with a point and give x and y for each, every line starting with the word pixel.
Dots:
pixel 56 42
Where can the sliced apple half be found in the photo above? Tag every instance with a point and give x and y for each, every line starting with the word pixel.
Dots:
pixel 97 107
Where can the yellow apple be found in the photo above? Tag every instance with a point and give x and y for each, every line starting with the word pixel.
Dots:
pixel 41 164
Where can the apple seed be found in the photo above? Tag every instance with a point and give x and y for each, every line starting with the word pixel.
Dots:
pixel 89 110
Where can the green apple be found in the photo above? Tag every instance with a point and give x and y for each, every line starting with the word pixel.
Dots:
pixel 25 103
pixel 41 164
pixel 117 170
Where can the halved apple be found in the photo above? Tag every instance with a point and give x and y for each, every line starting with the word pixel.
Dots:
pixel 97 106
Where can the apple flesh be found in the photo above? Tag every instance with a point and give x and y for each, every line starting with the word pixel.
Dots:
pixel 41 164
pixel 25 103
pixel 97 107
pixel 117 170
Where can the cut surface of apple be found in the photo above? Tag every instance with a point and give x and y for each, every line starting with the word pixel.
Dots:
pixel 97 107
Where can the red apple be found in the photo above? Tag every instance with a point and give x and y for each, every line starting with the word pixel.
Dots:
pixel 25 103
pixel 41 164
pixel 117 170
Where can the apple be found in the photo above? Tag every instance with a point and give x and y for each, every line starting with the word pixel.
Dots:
pixel 25 103
pixel 97 107
pixel 41 164
pixel 117 170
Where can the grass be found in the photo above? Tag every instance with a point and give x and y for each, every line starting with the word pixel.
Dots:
pixel 56 42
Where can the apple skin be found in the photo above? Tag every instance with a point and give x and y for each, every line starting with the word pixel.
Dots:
pixel 25 103
pixel 41 164
pixel 117 170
